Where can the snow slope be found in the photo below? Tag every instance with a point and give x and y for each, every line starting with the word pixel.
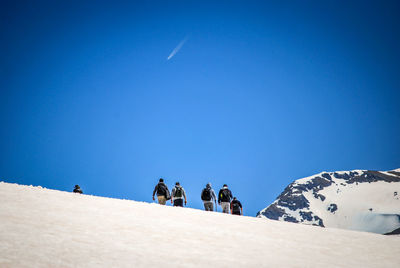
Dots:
pixel 356 200
pixel 48 228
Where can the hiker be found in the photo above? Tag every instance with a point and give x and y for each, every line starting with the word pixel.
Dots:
pixel 78 189
pixel 224 198
pixel 208 195
pixel 162 192
pixel 178 193
pixel 236 207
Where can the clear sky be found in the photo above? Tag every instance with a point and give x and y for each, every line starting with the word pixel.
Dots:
pixel 258 95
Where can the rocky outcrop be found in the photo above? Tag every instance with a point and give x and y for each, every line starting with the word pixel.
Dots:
pixel 294 204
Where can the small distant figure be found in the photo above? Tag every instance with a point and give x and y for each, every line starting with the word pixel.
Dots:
pixel 78 189
pixel 177 195
pixel 162 192
pixel 224 198
pixel 208 196
pixel 236 207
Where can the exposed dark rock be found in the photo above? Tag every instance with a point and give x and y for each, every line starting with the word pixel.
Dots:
pixel 292 201
pixel 319 220
pixel 318 183
pixel 370 209
pixel 297 191
pixel 301 188
pixel 273 212
pixel 344 176
pixel 326 176
pixel 320 196
pixel 373 176
pixel 332 208
pixel 290 219
pixel 394 173
pixel 306 215
pixel 394 232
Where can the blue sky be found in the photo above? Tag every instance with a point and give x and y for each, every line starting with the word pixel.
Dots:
pixel 260 94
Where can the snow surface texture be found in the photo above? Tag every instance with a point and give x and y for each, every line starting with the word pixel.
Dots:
pixel 356 200
pixel 49 228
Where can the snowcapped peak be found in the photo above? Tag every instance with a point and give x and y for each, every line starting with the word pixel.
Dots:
pixel 357 199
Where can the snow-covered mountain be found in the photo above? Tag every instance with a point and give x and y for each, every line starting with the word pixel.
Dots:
pixel 48 228
pixel 358 200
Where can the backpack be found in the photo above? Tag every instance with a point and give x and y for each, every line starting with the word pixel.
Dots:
pixel 161 189
pixel 206 194
pixel 235 207
pixel 225 196
pixel 178 191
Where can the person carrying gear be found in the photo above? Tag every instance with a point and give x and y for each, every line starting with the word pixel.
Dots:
pixel 178 193
pixel 78 189
pixel 236 207
pixel 162 192
pixel 208 196
pixel 224 198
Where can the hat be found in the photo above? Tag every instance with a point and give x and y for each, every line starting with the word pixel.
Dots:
pixel 161 180
pixel 77 186
pixel 225 185
pixel 177 183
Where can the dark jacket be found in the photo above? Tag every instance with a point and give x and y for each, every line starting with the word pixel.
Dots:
pixel 162 190
pixel 222 197
pixel 173 193
pixel 213 197
pixel 236 207
pixel 78 190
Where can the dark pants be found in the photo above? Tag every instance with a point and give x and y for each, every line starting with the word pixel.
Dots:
pixel 178 202
pixel 236 212
pixel 209 206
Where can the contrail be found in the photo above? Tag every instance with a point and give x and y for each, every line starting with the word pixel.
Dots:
pixel 178 47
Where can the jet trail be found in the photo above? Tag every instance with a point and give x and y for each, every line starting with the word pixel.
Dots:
pixel 178 47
